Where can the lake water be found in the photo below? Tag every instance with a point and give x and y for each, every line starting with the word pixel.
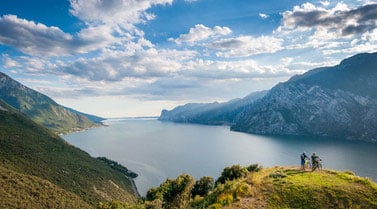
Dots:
pixel 158 150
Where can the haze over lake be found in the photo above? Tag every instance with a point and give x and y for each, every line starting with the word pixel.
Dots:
pixel 157 150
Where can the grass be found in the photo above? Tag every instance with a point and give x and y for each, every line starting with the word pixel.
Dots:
pixel 30 149
pixel 289 187
pixel 320 189
pixel 25 191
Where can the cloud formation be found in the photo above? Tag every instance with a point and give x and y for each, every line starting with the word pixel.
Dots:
pixel 30 37
pixel 340 19
pixel 111 54
pixel 38 39
pixel 245 46
pixel 201 32
pixel 124 13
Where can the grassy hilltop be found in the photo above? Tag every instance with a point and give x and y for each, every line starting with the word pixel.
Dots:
pixel 284 187
pixel 254 187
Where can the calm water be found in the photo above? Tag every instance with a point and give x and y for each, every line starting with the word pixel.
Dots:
pixel 158 150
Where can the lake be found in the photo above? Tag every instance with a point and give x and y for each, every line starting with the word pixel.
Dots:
pixel 158 150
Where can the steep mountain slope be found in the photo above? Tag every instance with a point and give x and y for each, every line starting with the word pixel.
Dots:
pixel 339 101
pixel 35 193
pixel 210 113
pixel 28 148
pixel 41 108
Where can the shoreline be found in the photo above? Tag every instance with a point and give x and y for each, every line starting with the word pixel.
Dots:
pixel 134 188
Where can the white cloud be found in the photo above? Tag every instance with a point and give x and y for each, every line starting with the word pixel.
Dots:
pixel 325 3
pixel 263 16
pixel 124 13
pixel 201 32
pixel 244 46
pixel 340 20
pixel 8 62
pixel 34 38
pixel 332 31
pixel 38 39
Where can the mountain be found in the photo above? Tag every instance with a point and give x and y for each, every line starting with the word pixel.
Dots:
pixel 35 154
pixel 210 113
pixel 93 118
pixel 338 101
pixel 41 108
pixel 35 192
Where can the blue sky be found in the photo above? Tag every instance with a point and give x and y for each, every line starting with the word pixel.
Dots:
pixel 118 58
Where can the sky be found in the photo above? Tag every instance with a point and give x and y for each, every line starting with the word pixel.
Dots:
pixel 127 58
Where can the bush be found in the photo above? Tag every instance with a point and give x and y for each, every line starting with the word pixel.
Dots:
pixel 231 173
pixel 202 186
pixel 215 206
pixel 254 167
pixel 225 199
pixel 243 189
pixel 173 194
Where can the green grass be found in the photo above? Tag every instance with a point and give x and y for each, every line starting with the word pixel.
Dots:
pixel 31 149
pixel 323 189
pixel 25 191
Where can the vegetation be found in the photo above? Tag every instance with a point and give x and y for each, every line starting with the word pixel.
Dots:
pixel 26 191
pixel 277 187
pixel 203 186
pixel 172 194
pixel 116 166
pixel 231 173
pixel 30 149
pixel 42 109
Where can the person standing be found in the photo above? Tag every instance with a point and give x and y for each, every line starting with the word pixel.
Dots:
pixel 315 161
pixel 303 158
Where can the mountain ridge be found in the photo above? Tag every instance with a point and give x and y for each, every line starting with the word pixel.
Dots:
pixel 338 101
pixel 42 109
pixel 210 113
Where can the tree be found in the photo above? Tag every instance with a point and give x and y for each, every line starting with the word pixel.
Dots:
pixel 174 193
pixel 231 173
pixel 202 186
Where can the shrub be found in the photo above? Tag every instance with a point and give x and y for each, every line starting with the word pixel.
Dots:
pixel 225 199
pixel 174 193
pixel 254 167
pixel 243 189
pixel 231 173
pixel 202 186
pixel 215 206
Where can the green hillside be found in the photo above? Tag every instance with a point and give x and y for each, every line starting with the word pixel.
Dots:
pixel 254 187
pixel 25 191
pixel 28 148
pixel 41 108
pixel 283 187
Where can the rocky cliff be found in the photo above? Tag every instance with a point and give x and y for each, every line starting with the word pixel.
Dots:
pixel 338 101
